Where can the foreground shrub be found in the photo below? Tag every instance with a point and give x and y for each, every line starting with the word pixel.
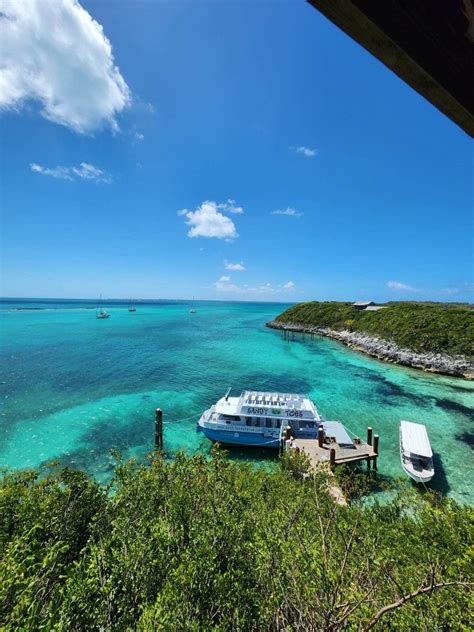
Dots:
pixel 199 544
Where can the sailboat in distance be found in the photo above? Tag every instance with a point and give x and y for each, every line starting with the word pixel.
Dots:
pixel 193 309
pixel 131 308
pixel 101 313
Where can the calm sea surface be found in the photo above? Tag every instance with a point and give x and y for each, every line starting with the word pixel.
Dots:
pixel 72 386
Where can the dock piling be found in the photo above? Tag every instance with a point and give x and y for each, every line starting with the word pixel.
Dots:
pixel 320 437
pixel 376 450
pixel 332 458
pixel 369 442
pixel 369 435
pixel 158 429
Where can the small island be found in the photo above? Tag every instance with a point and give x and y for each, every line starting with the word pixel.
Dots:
pixel 436 337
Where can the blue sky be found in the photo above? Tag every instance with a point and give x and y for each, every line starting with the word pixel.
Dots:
pixel 221 135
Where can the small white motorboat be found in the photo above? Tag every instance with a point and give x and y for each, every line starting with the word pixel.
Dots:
pixel 415 452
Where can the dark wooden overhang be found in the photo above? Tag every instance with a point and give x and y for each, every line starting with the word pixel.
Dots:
pixel 427 43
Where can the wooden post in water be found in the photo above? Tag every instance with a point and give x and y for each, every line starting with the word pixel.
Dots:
pixel 158 429
pixel 369 435
pixel 369 442
pixel 376 450
pixel 320 437
pixel 332 458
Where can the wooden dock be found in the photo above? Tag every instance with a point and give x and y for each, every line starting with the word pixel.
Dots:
pixel 321 450
pixel 363 452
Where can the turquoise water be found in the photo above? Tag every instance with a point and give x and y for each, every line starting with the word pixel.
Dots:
pixel 72 386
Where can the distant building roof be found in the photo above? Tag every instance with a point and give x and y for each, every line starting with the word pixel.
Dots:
pixel 363 303
pixel 374 308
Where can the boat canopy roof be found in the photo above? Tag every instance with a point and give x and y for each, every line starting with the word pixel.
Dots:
pixel 282 400
pixel 269 404
pixel 415 439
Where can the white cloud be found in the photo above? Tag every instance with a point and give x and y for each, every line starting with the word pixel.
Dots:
pixel 230 207
pixel 139 136
pixel 449 291
pixel 207 221
pixel 290 212
pixel 400 287
pixel 267 289
pixel 306 151
pixel 54 53
pixel 225 286
pixel 234 266
pixel 85 171
pixel 62 173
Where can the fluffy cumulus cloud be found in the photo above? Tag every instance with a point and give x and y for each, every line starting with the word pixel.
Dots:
pixel 305 151
pixel 237 267
pixel 55 54
pixel 208 221
pixel 290 212
pixel 84 171
pixel 224 279
pixel 396 286
pixel 289 286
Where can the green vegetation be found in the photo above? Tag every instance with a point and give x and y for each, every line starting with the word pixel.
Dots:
pixel 208 544
pixel 424 327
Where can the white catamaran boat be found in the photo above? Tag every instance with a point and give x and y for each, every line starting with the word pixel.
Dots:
pixel 415 452
pixel 258 418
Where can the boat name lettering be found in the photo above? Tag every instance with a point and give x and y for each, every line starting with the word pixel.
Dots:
pixel 294 413
pixel 257 411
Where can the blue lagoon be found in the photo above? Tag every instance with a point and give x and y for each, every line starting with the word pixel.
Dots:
pixel 72 386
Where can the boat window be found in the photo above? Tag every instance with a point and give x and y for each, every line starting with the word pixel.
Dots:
pixel 230 418
pixel 277 423
pixel 256 421
pixel 248 421
pixel 268 422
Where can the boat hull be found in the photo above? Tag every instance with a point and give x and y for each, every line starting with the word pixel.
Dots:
pixel 415 452
pixel 418 477
pixel 240 438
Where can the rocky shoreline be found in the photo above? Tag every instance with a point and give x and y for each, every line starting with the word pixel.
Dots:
pixel 381 349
